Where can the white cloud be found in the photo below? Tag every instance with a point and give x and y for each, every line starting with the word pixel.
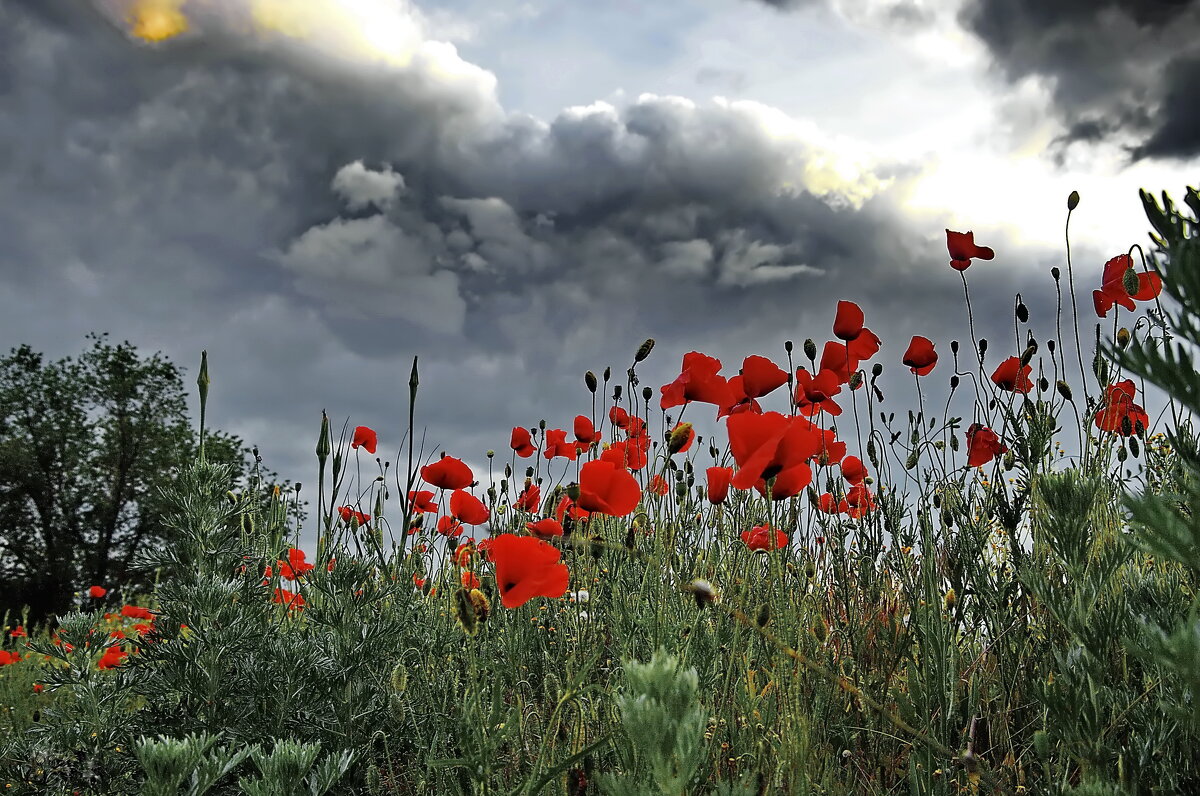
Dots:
pixel 362 187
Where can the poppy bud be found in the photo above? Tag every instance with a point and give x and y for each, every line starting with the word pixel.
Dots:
pixel 810 349
pixel 1072 201
pixel 1122 337
pixel 629 537
pixel 1122 454
pixel 464 612
pixel 679 437
pixel 589 379
pixel 1028 353
pixel 491 454
pixel 1043 384
pixel 399 678
pixel 572 491
pixel 1130 281
pixel 982 347
pixel 951 600
pixel 1134 448
pixel 1022 312
pixel 954 347
pixel 948 518
pixel 953 443
pixel 872 454
pixel 323 443
pixel 876 370
pixel 542 425
pixel 1126 430
pixel 647 394
pixel 820 631
pixel 1056 273
pixel 1050 346
pixel 644 350
pixel 607 374
pixel 856 379
pixel 787 346
pixel 248 520
pixel 1064 389
pixel 529 472
pixel 954 382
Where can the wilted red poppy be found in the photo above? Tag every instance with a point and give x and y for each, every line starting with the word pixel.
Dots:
pixel 448 473
pixel 764 538
pixel 700 381
pixel 1117 406
pixel 982 445
pixel 422 501
pixel 848 323
pixel 468 508
pixel 761 376
pixel 526 568
pixel 920 356
pixel 522 442
pixel 608 489
pixel 1112 289
pixel 97 591
pixel 365 438
pixel 449 526
pixel 295 566
pixel 718 483
pixel 1011 376
pixel 585 431
pixel 853 470
pixel 545 528
pixel 530 498
pixel 963 249
pixel 557 445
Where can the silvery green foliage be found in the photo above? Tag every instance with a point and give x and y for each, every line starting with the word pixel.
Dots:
pixel 188 766
pixel 289 769
pixel 664 723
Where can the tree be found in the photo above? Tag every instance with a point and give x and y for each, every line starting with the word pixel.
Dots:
pixel 84 447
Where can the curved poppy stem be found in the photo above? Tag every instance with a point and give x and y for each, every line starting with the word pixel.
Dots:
pixel 1075 308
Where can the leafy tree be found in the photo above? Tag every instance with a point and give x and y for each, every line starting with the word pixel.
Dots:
pixel 84 447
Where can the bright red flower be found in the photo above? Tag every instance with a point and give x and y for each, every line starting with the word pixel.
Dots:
pixel 718 483
pixel 289 599
pixel 522 442
pixel 627 453
pixel 761 376
pixel 422 501
pixel 585 431
pixel 295 566
pixel 526 568
pixel 111 658
pixel 608 489
pixel 569 508
pixel 529 499
pixel 848 323
pixel 658 485
pixel 618 417
pixel 557 445
pixel 681 438
pixel 814 394
pixel 853 470
pixel 18 632
pixel 920 356
pixel 97 591
pixel 1117 406
pixel 843 358
pixel 962 248
pixel 827 503
pixel 700 381
pixel 7 657
pixel 767 444
pixel 469 580
pixel 136 612
pixel 1012 377
pixel 865 346
pixel 468 508
pixel 448 473
pixel 764 538
pixel 545 528
pixel 983 445
pixel 858 501
pixel 349 515
pixel 462 554
pixel 448 526
pixel 37 688
pixel 788 483
pixel 1112 289
pixel 365 438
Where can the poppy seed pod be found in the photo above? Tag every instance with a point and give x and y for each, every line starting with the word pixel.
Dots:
pixel 787 346
pixel 876 370
pixel 617 394
pixel 954 382
pixel 982 347
pixel 1072 200
pixel 644 350
pixel 856 379
pixel 954 347
pixel 1056 273
pixel 607 374
pixel 647 394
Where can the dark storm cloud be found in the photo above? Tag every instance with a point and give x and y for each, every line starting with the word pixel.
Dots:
pixel 1120 69
pixel 315 226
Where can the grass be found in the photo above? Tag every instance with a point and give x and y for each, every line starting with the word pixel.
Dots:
pixel 1026 626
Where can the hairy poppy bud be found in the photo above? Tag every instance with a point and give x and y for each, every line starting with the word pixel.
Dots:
pixel 589 379
pixel 464 612
pixel 644 350
pixel 1064 389
pixel 856 379
pixel 323 444
pixel 679 437
pixel 764 616
pixel 1028 353
pixel 819 631
pixel 1043 384
pixel 1130 281
pixel 1072 201
pixel 1134 448
pixel 1022 312
pixel 951 600
pixel 1122 337
pixel 810 349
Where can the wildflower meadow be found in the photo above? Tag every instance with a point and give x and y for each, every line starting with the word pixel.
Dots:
pixel 825 595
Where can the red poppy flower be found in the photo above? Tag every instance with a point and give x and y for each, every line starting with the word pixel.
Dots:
pixel 920 356
pixel 764 538
pixel 97 591
pixel 1112 289
pixel 526 568
pixel 738 401
pixel 18 632
pixel 136 612
pixel 545 528
pixel 349 515
pixel 37 688
pixel 618 417
pixel 1012 377
pixel 7 657
pixel 843 358
pixel 865 346
pixel 422 501
pixel 522 442
pixel 569 508
pixel 111 658
pixel 1116 406
pixel 295 566
pixel 469 580
pixel 585 431
pixel 462 554
pixel 982 445
pixel 365 438
pixel 608 489
pixel 529 499
pixel 289 599
pixel 718 483
pixel 468 508
pixel 557 445
pixel 767 444
pixel 963 249
pixel 761 376
pixel 700 381
pixel 814 394
pixel 448 473
pixel 788 483
pixel 853 470
pixel 827 503
pixel 848 323
pixel 658 485
pixel 449 526
pixel 858 501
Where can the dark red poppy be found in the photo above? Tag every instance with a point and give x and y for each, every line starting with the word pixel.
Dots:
pixel 529 499
pixel 1117 406
pixel 920 356
pixel 1112 289
pixel 422 501
pixel 848 323
pixel 764 538
pixel 983 445
pixel 468 508
pixel 1011 376
pixel 963 249
pixel 608 489
pixel 700 381
pixel 522 442
pixel 761 376
pixel 365 438
pixel 526 568
pixel 718 483
pixel 585 431
pixel 545 528
pixel 448 473
pixel 853 470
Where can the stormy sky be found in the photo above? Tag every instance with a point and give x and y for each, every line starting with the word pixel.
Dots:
pixel 518 191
